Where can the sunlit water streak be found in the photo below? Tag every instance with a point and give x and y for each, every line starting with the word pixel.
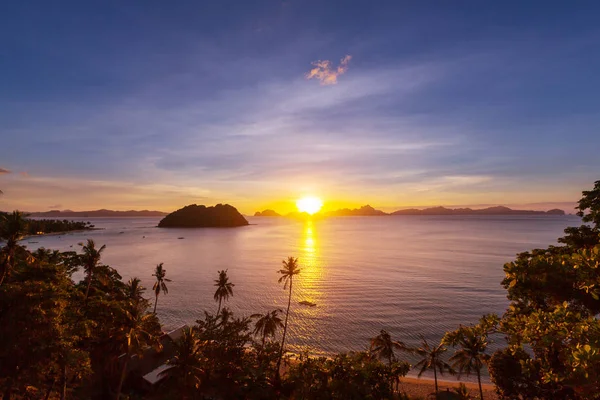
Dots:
pixel 409 275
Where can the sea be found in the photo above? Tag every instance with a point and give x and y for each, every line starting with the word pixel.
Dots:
pixel 409 275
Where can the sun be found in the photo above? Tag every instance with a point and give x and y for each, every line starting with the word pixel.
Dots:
pixel 309 204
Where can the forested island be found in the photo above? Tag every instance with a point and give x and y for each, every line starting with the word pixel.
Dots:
pixel 100 337
pixel 194 216
pixel 44 226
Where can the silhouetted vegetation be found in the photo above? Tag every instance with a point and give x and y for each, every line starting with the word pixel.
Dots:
pixel 42 226
pixel 89 339
pixel 224 289
pixel 161 283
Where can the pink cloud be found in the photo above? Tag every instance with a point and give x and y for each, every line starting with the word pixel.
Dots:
pixel 325 72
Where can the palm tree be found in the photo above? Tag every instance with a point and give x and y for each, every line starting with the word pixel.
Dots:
pixel 160 284
pixel 135 290
pixel 224 288
pixel 470 357
pixel 289 270
pixel 185 369
pixel 432 360
pixel 139 334
pixel 13 227
pixel 90 259
pixel 267 324
pixel 383 347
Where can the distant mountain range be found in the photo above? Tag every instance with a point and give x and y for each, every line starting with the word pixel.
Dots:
pixel 368 211
pixel 498 210
pixel 364 211
pixel 97 213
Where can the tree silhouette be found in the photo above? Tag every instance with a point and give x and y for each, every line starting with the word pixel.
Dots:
pixel 383 347
pixel 432 360
pixel 160 284
pixel 224 288
pixel 13 227
pixel 140 331
pixel 135 291
pixel 470 356
pixel 289 270
pixel 267 324
pixel 185 369
pixel 90 259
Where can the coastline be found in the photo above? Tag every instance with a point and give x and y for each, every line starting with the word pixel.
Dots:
pixel 60 233
pixel 424 386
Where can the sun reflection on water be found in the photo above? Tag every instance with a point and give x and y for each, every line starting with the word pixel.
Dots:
pixel 310 288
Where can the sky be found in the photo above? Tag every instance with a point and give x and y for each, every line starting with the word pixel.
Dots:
pixel 155 105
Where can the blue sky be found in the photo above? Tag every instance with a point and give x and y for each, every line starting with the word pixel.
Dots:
pixel 155 104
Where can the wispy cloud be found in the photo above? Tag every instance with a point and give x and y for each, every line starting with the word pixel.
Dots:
pixel 4 171
pixel 324 71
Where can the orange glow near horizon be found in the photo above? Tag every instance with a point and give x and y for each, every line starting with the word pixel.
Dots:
pixel 309 204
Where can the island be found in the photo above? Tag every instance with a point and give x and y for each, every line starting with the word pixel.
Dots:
pixel 97 214
pixel 34 227
pixel 195 216
pixel 267 213
pixel 364 211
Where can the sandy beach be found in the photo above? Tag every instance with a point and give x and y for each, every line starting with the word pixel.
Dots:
pixel 424 386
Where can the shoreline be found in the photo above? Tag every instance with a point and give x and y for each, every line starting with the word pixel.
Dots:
pixel 60 233
pixel 424 386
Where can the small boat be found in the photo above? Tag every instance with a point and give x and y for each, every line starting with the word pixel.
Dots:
pixel 181 237
pixel 308 303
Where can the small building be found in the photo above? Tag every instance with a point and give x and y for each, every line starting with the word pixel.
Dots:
pixel 144 371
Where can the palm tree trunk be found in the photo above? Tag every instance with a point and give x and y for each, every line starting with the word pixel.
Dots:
pixel 287 313
pixel 87 291
pixel 155 303
pixel 479 381
pixel 5 266
pixel 3 269
pixel 435 378
pixel 123 374
pixel 219 308
pixel 63 384
pixel 49 391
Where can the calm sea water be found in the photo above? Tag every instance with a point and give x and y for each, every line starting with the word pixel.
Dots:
pixel 409 275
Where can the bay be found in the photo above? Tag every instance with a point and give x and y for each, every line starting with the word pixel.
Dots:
pixel 409 275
